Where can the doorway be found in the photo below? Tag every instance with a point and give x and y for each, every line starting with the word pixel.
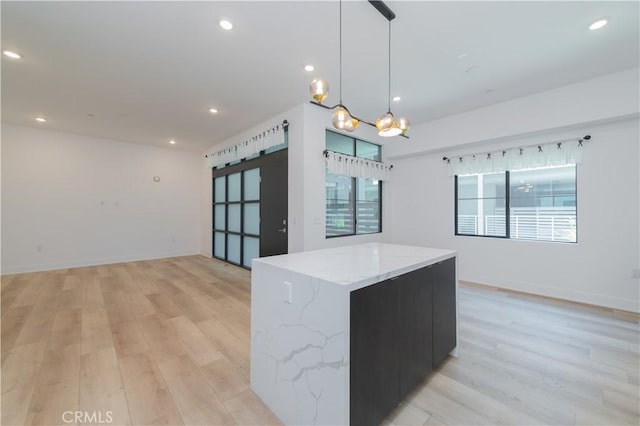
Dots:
pixel 250 209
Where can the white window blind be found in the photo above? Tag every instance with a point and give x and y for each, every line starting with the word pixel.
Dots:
pixel 557 153
pixel 347 165
pixel 248 147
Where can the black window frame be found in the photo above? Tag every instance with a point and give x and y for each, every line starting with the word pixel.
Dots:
pixel 507 235
pixel 354 186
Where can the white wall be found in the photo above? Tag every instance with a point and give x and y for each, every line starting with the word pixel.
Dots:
pixel 597 269
pixel 307 141
pixel 70 200
pixel 600 99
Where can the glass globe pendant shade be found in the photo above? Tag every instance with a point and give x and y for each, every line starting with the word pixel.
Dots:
pixel 403 123
pixel 350 125
pixel 394 130
pixel 319 89
pixel 342 120
pixel 384 122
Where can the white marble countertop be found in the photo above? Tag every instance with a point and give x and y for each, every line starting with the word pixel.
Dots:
pixel 359 265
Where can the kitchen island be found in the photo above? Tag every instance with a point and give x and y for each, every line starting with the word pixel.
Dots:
pixel 340 336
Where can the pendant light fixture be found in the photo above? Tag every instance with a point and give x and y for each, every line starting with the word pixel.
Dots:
pixel 319 88
pixel 387 124
pixel 342 119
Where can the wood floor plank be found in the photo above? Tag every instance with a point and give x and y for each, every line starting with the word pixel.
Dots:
pixel 128 338
pixel 38 325
pixel 91 294
pixel 148 397
pixel 12 322
pixel 235 349
pixel 224 378
pixel 101 388
pixel 96 332
pixel 19 376
pixel 194 397
pixel 163 306
pixel 66 328
pixel 58 387
pixel 199 348
pixel 161 338
pixel 140 305
pixel 247 409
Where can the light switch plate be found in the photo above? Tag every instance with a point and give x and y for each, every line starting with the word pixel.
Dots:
pixel 288 296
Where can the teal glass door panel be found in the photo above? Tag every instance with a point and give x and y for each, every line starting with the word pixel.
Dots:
pixel 218 245
pixel 251 218
pixel 233 186
pixel 252 185
pixel 233 221
pixel 251 249
pixel 219 215
pixel 220 195
pixel 233 247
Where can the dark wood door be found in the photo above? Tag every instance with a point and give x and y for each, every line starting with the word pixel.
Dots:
pixel 415 323
pixel 444 309
pixel 374 387
pixel 274 204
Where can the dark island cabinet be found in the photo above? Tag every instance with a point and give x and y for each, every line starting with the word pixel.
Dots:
pixel 395 343
pixel 444 310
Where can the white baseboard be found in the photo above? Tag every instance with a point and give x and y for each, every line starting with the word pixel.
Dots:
pixel 21 269
pixel 604 300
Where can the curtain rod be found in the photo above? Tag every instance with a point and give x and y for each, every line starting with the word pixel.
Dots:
pixel 538 145
pixel 284 124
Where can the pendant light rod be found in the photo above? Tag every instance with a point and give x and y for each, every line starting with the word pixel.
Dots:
pixel 340 49
pixel 340 105
pixel 389 87
pixel 383 9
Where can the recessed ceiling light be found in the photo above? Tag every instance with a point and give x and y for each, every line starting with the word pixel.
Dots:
pixel 172 142
pixel 41 119
pixel 12 55
pixel 226 24
pixel 396 98
pixel 598 24
pixel 309 68
pixel 213 110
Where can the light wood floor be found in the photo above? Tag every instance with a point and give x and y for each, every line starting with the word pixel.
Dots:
pixel 167 342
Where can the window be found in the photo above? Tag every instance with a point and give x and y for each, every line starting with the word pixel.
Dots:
pixel 535 204
pixel 353 205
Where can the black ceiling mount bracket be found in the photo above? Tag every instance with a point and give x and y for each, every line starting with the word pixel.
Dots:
pixel 383 9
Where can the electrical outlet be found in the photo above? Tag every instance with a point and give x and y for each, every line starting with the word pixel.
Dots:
pixel 288 296
pixel 635 273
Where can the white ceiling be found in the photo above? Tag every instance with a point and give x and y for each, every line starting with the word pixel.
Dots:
pixel 149 71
